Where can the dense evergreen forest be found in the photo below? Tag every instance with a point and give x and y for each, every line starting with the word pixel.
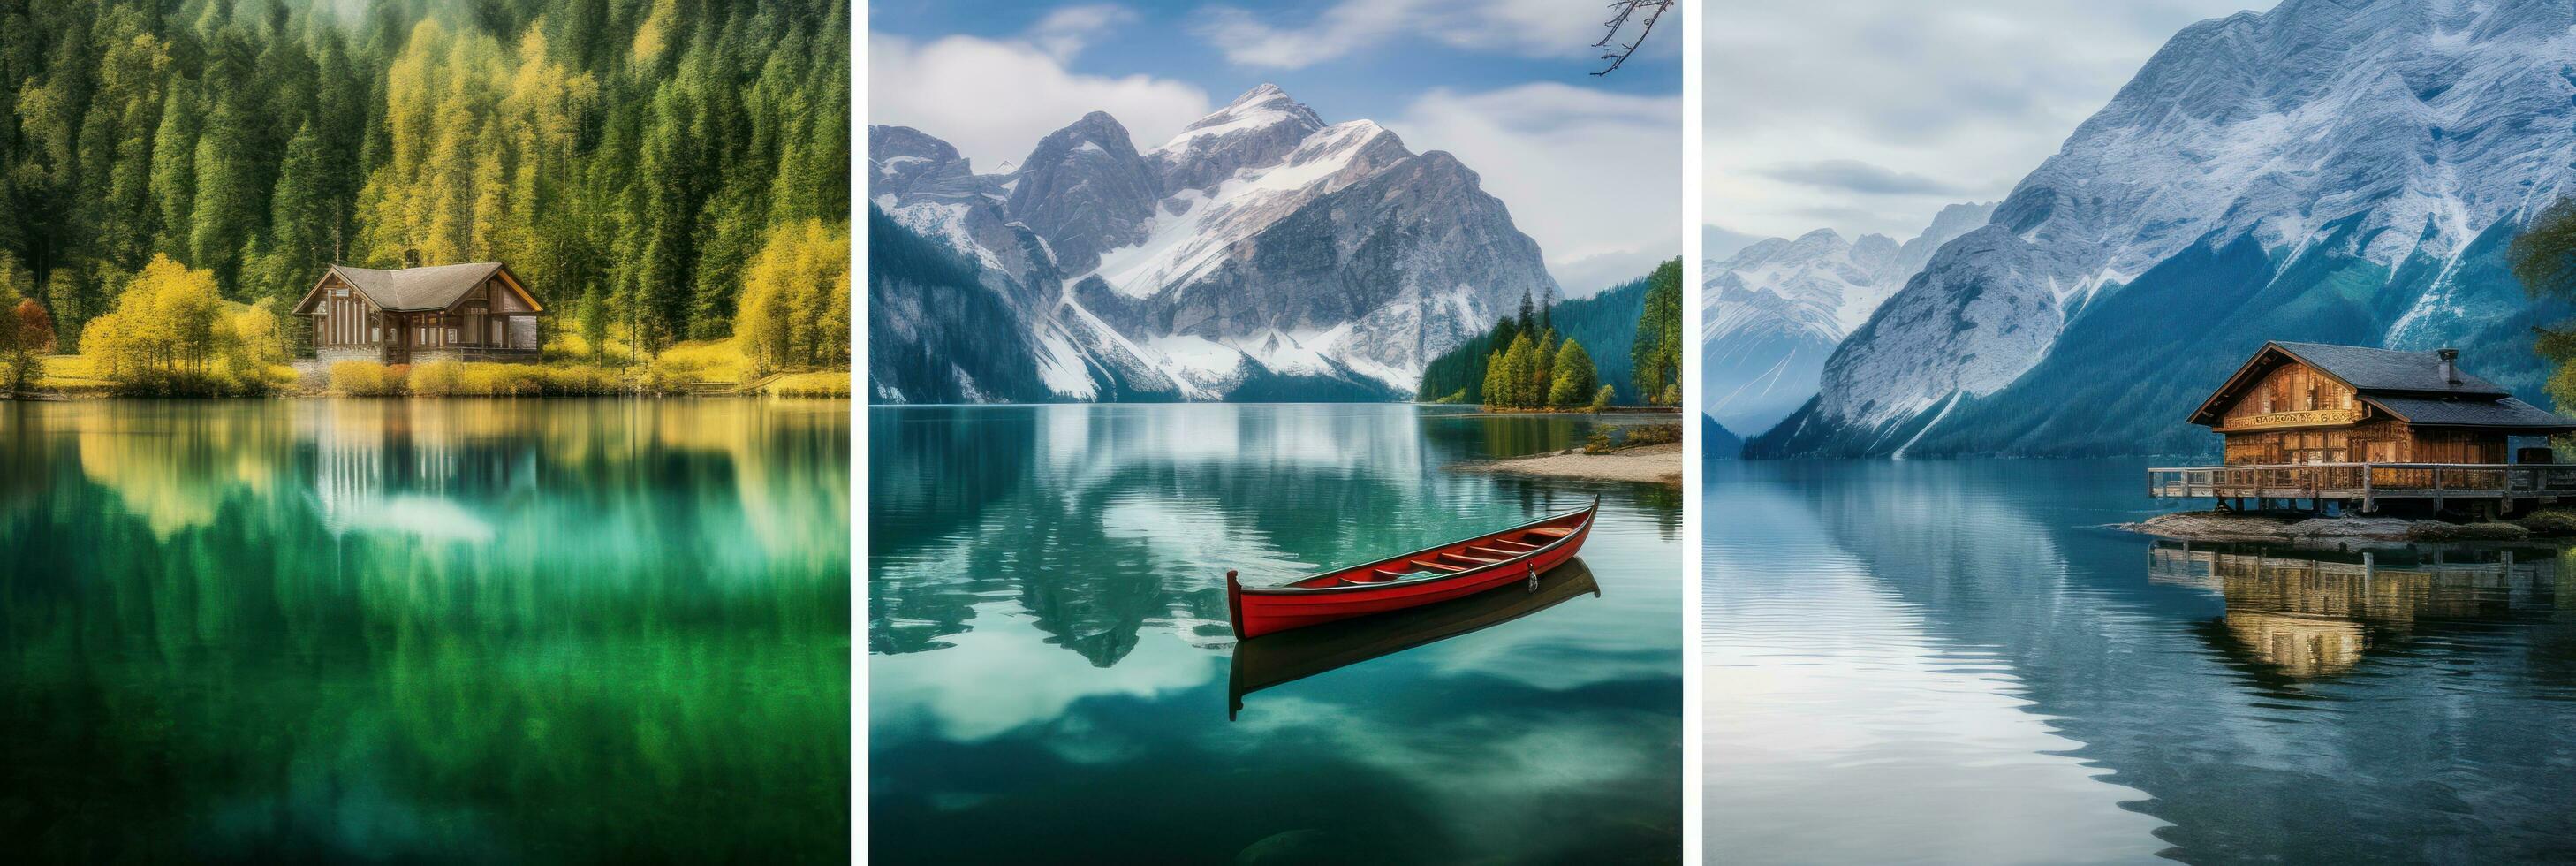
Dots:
pixel 629 159
pixel 1607 325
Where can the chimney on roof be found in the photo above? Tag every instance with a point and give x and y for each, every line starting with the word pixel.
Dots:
pixel 411 259
pixel 2450 364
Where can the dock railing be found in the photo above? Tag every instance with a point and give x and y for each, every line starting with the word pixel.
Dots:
pixel 2364 482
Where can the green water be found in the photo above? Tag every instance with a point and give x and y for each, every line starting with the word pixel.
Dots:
pixel 424 631
pixel 1051 669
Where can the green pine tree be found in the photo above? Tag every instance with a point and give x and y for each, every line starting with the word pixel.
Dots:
pixel 1574 380
pixel 1657 353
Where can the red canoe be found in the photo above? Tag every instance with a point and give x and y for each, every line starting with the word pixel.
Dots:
pixel 1433 574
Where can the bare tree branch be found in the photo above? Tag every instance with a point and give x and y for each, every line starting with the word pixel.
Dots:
pixel 1620 12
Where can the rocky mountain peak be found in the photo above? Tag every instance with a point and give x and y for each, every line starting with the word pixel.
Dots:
pixel 2255 169
pixel 908 164
pixel 1256 129
pixel 1085 189
pixel 1259 250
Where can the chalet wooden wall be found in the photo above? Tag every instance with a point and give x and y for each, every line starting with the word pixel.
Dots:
pixel 2371 437
pixel 2291 388
pixel 346 317
pixel 2378 440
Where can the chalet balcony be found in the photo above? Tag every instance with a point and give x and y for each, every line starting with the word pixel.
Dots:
pixel 2366 483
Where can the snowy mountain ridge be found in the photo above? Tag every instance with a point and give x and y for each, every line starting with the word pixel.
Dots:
pixel 2330 169
pixel 1259 254
pixel 1773 312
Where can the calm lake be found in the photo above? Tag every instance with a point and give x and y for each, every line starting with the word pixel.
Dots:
pixel 1052 673
pixel 425 631
pixel 1947 661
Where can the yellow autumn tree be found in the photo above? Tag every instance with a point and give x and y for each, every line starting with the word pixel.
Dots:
pixel 253 339
pixel 796 298
pixel 162 335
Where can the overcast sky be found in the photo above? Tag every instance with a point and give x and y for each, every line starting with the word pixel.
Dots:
pixel 1590 166
pixel 1869 115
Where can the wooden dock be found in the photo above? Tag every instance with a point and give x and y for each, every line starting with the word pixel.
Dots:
pixel 2503 485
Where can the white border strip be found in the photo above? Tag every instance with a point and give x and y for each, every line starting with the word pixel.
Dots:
pixel 858 791
pixel 1694 519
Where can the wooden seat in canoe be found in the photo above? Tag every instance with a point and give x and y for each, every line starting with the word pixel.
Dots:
pixel 1470 560
pixel 1439 565
pixel 1553 531
pixel 1509 544
pixel 1506 554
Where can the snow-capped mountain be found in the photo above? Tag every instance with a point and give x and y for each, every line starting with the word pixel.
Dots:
pixel 1259 254
pixel 1773 312
pixel 2332 170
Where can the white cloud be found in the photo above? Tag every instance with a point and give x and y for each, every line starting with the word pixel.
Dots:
pixel 995 99
pixel 1963 97
pixel 1535 28
pixel 1587 174
pixel 1065 32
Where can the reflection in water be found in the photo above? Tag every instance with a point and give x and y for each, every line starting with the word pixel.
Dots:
pixel 1048 641
pixel 424 630
pixel 2215 704
pixel 1294 655
pixel 2307 614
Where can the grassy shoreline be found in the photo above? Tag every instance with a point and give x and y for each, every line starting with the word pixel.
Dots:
pixel 711 368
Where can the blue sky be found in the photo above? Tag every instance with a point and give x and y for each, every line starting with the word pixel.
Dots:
pixel 1589 165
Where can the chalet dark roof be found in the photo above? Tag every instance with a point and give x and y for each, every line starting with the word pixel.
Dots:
pixel 2472 412
pixel 2368 370
pixel 2409 385
pixel 413 289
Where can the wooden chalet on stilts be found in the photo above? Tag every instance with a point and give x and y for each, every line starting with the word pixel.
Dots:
pixel 2351 428
pixel 470 312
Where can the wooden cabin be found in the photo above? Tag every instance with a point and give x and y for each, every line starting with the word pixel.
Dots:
pixel 2329 423
pixel 469 312
pixel 2321 403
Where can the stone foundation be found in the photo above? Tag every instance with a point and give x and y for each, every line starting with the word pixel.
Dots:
pixel 328 357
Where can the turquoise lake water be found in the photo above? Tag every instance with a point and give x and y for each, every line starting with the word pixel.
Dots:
pixel 1050 660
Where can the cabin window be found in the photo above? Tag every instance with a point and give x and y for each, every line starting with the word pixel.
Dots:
pixel 339 293
pixel 451 335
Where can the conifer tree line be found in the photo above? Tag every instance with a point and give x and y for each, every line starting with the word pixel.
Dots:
pixel 631 160
pixel 1524 363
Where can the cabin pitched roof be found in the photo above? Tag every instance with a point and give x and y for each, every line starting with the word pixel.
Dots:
pixel 2411 386
pixel 2507 413
pixel 413 289
pixel 2368 370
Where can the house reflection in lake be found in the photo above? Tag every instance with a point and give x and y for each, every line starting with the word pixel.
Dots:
pixel 2311 614
pixel 383 466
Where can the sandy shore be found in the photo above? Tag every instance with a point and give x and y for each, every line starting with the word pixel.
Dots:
pixel 1654 464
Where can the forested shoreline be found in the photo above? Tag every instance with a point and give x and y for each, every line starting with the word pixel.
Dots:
pixel 1538 359
pixel 652 168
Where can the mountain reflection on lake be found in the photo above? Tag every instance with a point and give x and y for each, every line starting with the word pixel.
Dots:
pixel 1050 657
pixel 1914 661
pixel 425 630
